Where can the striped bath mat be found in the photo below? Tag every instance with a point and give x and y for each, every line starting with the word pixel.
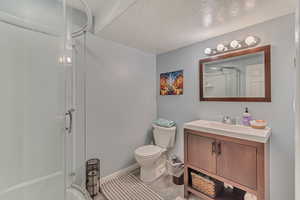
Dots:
pixel 127 187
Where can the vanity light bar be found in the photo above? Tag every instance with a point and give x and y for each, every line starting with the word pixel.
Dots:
pixel 249 41
pixel 65 60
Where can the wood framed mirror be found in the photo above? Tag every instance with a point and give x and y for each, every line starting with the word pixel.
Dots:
pixel 238 76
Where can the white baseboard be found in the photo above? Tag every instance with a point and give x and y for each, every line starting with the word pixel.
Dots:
pixel 121 172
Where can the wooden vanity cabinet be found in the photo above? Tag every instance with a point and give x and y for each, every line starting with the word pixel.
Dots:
pixel 238 162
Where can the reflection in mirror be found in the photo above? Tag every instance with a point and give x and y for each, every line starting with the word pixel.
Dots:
pixel 241 76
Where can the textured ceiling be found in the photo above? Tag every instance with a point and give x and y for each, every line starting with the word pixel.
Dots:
pixel 158 26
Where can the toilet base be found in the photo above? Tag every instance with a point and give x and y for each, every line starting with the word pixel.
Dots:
pixel 152 173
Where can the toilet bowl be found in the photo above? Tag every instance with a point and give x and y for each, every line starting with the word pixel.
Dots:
pixel 75 192
pixel 152 160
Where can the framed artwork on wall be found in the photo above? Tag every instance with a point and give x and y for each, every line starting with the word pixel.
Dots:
pixel 171 83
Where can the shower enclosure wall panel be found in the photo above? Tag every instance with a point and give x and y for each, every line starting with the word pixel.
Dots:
pixel 32 115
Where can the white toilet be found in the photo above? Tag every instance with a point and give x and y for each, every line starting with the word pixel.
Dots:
pixel 152 158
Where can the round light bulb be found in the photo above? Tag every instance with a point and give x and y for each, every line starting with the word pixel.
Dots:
pixel 235 44
pixel 221 47
pixel 208 51
pixel 69 60
pixel 61 60
pixel 250 40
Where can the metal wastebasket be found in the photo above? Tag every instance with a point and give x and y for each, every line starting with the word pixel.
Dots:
pixel 93 177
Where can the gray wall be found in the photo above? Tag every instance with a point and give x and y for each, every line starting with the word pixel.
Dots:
pixel 121 102
pixel 280 34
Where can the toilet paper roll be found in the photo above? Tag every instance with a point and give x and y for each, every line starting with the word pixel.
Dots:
pixel 249 196
pixel 227 186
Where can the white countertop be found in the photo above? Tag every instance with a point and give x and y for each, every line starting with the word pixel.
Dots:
pixel 235 131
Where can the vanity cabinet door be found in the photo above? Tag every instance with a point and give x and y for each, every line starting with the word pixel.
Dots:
pixel 238 163
pixel 200 152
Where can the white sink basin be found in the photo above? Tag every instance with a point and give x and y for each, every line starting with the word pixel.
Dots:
pixel 236 131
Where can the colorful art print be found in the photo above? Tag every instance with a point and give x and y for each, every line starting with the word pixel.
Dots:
pixel 171 83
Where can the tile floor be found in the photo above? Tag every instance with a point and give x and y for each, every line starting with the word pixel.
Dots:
pixel 164 186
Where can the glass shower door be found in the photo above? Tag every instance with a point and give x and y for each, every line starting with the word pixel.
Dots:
pixel 32 106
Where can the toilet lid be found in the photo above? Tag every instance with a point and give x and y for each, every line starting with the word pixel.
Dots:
pixel 148 150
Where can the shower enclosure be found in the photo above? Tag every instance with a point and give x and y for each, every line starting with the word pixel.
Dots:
pixel 227 79
pixel 37 96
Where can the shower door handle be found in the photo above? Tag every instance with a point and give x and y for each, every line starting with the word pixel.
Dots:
pixel 69 120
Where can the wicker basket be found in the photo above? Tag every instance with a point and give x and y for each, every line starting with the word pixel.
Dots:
pixel 209 187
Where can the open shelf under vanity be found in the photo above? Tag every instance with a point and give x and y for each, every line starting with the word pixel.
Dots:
pixel 225 194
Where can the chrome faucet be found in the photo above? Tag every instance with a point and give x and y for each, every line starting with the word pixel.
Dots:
pixel 228 120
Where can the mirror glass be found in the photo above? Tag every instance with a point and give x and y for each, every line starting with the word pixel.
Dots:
pixel 242 76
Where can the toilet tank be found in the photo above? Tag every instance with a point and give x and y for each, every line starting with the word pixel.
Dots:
pixel 164 137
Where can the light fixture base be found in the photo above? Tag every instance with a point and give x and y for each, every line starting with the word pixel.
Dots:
pixel 249 41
